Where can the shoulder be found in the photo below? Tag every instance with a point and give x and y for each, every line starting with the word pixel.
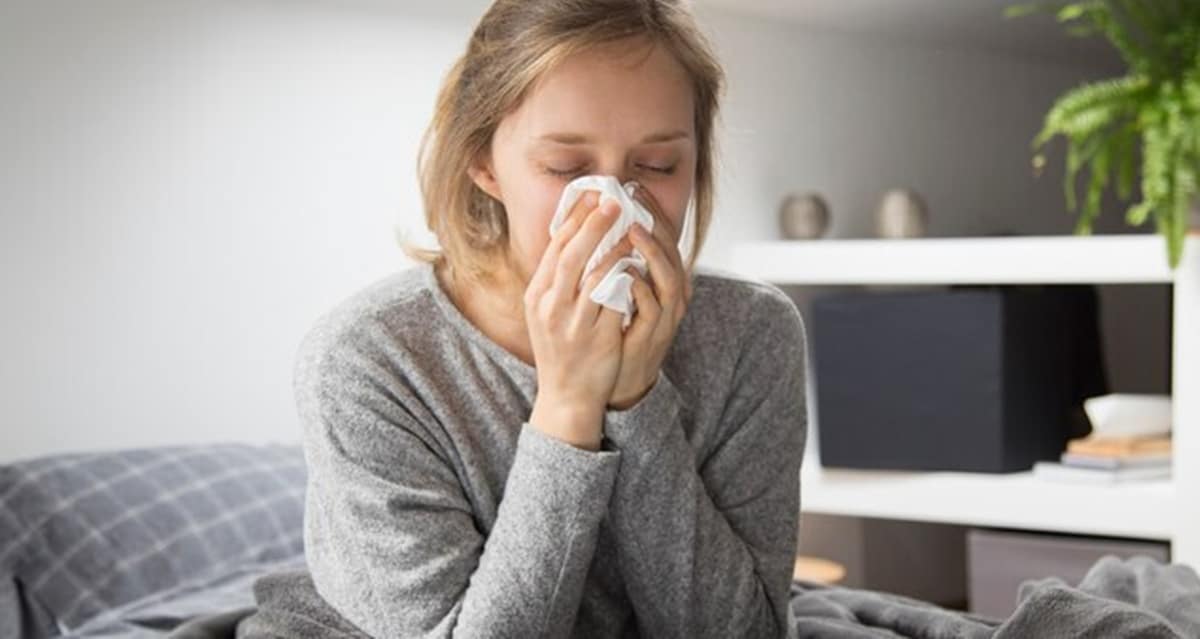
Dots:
pixel 744 310
pixel 377 323
pixel 741 349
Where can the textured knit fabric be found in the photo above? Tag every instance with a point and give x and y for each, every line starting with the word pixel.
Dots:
pixel 434 509
pixel 1134 598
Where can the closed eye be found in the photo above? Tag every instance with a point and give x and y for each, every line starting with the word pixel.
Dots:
pixel 575 172
pixel 666 170
pixel 564 173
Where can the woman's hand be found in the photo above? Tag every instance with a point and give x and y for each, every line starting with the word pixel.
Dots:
pixel 576 342
pixel 661 305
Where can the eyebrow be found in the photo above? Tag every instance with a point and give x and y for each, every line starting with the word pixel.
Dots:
pixel 653 138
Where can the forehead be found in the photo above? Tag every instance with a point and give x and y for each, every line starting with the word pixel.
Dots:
pixel 622 89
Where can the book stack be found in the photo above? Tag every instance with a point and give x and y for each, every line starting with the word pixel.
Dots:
pixel 1110 459
pixel 1130 441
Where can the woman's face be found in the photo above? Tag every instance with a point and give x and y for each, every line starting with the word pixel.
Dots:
pixel 623 110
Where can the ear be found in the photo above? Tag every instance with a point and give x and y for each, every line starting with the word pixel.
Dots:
pixel 484 176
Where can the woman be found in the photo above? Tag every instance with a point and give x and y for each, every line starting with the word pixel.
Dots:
pixel 490 454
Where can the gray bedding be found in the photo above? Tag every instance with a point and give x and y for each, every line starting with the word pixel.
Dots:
pixel 166 612
pixel 1138 597
pixel 1134 598
pixel 88 539
pixel 203 543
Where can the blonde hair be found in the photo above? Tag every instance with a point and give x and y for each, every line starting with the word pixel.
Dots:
pixel 515 43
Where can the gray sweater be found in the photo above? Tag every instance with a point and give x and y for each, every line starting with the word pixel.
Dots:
pixel 435 510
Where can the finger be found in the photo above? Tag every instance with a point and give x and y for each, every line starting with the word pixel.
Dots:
pixel 587 307
pixel 669 246
pixel 586 201
pixel 543 275
pixel 623 249
pixel 666 277
pixel 609 321
pixel 648 310
pixel 664 228
pixel 574 256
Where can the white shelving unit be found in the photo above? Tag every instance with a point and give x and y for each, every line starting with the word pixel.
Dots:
pixel 1161 510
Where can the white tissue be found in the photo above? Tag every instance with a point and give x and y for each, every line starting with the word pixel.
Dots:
pixel 615 290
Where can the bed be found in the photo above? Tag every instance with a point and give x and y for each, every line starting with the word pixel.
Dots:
pixel 132 543
pixel 175 542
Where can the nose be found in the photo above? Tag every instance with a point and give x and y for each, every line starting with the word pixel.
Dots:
pixel 617 168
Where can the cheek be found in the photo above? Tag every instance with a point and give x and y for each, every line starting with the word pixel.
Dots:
pixel 530 207
pixel 672 197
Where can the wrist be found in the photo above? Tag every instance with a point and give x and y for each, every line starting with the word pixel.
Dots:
pixel 627 402
pixel 568 421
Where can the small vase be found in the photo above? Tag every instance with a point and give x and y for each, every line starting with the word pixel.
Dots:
pixel 901 214
pixel 803 217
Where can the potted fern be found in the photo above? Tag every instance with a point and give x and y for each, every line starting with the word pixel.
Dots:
pixel 1143 126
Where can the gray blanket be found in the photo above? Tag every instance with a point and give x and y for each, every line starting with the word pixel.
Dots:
pixel 1137 597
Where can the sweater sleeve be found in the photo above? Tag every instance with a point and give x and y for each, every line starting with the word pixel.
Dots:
pixel 391 540
pixel 707 546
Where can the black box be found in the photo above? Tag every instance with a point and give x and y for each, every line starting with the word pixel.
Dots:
pixel 967 379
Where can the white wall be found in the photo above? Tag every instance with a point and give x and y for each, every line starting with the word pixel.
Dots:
pixel 851 117
pixel 185 186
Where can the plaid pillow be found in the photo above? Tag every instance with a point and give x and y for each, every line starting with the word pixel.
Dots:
pixel 85 533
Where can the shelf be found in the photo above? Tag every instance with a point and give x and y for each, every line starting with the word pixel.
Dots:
pixel 1067 259
pixel 1141 510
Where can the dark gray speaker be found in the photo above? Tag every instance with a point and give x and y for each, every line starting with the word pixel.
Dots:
pixel 967 379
